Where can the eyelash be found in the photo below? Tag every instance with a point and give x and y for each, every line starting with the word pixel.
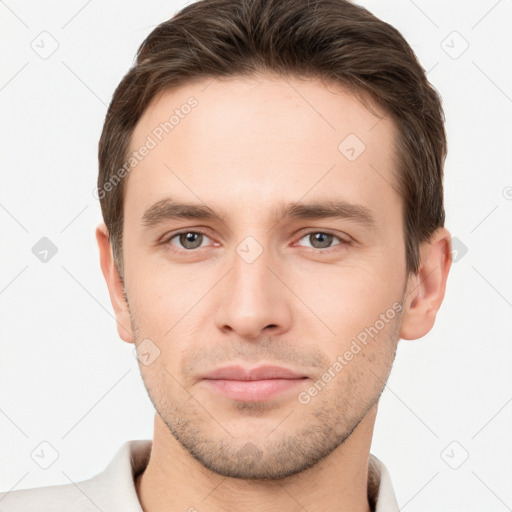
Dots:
pixel 343 242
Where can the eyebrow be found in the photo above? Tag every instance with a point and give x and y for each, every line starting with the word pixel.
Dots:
pixel 170 209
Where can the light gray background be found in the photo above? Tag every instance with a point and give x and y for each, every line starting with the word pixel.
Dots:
pixel 66 377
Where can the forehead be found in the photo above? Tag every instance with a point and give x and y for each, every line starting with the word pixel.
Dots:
pixel 258 139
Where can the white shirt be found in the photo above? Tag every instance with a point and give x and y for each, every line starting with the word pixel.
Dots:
pixel 113 490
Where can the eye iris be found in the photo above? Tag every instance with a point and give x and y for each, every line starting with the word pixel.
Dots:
pixel 325 239
pixel 186 238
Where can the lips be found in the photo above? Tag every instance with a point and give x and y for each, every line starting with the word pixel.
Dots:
pixel 252 384
pixel 259 373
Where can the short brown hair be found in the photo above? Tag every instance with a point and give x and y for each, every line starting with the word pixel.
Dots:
pixel 328 39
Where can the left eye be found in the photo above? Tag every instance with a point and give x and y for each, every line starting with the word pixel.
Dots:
pixel 322 239
pixel 189 239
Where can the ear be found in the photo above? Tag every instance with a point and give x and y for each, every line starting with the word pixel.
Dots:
pixel 114 283
pixel 425 290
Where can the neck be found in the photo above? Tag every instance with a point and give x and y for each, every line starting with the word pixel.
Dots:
pixel 173 479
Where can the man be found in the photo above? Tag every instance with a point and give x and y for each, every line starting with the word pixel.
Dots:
pixel 270 177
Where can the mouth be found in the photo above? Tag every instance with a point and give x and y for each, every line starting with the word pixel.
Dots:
pixel 252 385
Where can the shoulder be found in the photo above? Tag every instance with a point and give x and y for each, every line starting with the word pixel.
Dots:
pixel 65 497
pixel 111 490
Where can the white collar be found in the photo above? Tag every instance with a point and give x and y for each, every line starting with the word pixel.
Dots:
pixel 133 457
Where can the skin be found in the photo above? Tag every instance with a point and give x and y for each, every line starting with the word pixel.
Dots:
pixel 250 145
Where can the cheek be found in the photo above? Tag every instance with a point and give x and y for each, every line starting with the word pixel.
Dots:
pixel 162 294
pixel 342 301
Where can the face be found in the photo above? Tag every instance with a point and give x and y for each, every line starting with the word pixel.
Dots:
pixel 289 254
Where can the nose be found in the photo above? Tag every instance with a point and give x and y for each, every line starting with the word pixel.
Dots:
pixel 254 301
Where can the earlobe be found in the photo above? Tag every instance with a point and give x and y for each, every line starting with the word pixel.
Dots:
pixel 114 283
pixel 426 289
